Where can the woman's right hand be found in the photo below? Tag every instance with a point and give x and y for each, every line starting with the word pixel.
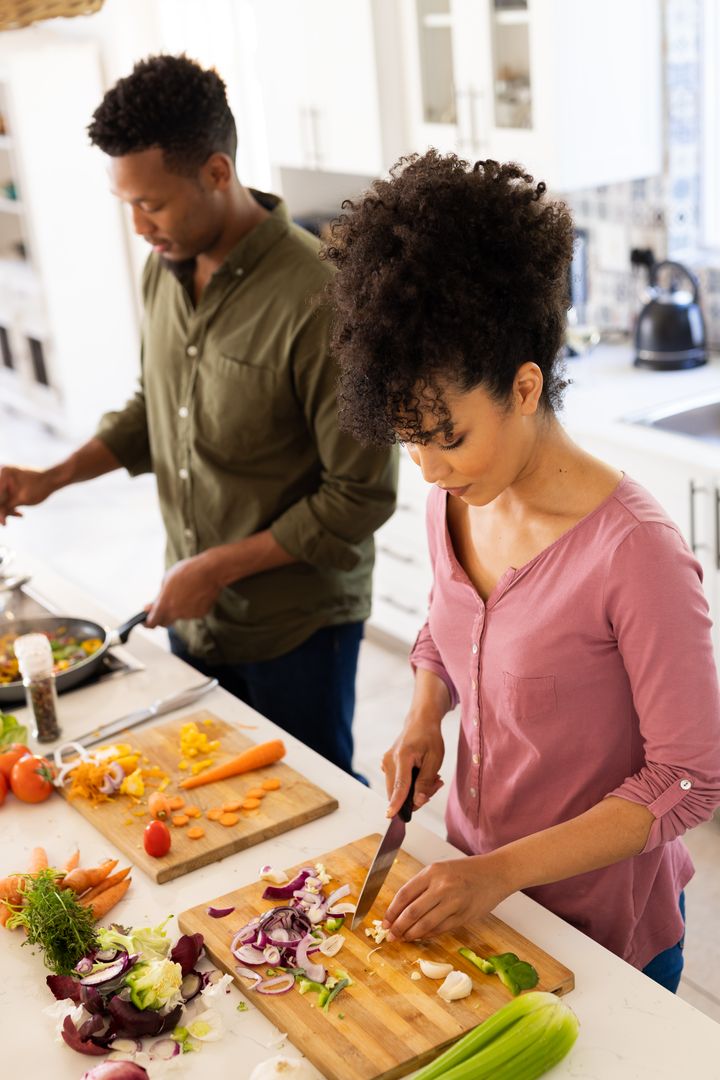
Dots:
pixel 420 743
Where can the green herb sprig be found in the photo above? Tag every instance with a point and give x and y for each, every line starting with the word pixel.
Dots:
pixel 55 921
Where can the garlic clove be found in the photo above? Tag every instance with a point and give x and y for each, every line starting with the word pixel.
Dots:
pixel 457 985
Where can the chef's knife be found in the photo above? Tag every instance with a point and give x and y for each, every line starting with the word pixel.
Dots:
pixel 162 705
pixel 385 855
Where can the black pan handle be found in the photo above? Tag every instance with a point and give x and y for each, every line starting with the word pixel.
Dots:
pixel 406 810
pixel 123 632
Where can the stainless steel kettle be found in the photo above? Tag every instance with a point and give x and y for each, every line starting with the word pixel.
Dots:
pixel 670 330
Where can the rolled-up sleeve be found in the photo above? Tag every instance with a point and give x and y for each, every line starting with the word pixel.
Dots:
pixel 125 432
pixel 659 616
pixel 358 485
pixel 425 654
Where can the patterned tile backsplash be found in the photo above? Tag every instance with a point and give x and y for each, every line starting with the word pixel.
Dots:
pixel 662 213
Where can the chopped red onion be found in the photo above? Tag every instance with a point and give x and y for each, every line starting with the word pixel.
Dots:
pixel 247 973
pixel 279 984
pixel 220 912
pixel 316 972
pixel 164 1050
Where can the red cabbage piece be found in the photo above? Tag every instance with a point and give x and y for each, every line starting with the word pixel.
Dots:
pixel 116 1070
pixel 130 1022
pixel 66 987
pixel 72 1037
pixel 187 951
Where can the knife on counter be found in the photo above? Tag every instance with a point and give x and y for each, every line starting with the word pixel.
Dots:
pixel 385 855
pixel 139 716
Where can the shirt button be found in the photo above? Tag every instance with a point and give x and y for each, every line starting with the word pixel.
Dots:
pixel 183 412
pixel 192 350
pixel 474 684
pixel 685 785
pixel 239 272
pixel 183 474
pixel 475 721
pixel 188 534
pixel 476 759
pixel 474 648
pixel 473 792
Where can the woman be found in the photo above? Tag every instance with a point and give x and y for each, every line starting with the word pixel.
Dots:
pixel 567 617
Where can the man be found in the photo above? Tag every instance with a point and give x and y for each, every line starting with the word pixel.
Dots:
pixel 269 510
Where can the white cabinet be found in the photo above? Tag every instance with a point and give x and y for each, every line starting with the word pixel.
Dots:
pixel 402 577
pixel 318 73
pixel 569 88
pixel 68 322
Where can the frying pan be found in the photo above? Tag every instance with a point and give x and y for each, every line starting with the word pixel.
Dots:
pixel 78 628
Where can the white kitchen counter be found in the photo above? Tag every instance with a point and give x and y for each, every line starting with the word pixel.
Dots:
pixel 631 1029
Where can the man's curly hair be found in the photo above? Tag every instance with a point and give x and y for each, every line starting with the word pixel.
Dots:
pixel 448 275
pixel 169 103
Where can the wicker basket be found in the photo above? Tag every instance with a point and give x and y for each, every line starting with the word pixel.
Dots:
pixel 17 13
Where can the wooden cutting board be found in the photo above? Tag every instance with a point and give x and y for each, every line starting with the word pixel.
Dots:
pixel 294 803
pixel 391 1024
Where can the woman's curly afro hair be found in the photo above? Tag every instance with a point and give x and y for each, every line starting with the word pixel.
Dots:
pixel 448 275
pixel 170 103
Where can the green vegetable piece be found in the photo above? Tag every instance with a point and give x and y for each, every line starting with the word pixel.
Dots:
pixel 337 989
pixel 154 983
pixel 180 1034
pixel 517 975
pixel 333 925
pixel 521 1041
pixel 55 921
pixel 150 941
pixel 306 985
pixel 11 731
pixel 242 1006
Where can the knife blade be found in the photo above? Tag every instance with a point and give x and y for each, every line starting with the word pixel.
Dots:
pixel 139 716
pixel 385 855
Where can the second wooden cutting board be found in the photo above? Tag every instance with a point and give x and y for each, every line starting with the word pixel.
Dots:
pixel 122 822
pixel 386 1024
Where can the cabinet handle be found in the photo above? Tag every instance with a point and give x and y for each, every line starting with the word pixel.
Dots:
pixel 695 489
pixel 315 132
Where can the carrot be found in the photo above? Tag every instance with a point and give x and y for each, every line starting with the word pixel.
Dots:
pixel 106 884
pixel 73 861
pixel 255 757
pixel 179 820
pixel 38 860
pixel 256 793
pixel 272 784
pixel 5 914
pixel 80 880
pixel 250 804
pixel 214 813
pixel 10 888
pixel 232 805
pixel 176 802
pixel 108 899
pixel 229 819
pixel 195 833
pixel 159 805
pixel 193 811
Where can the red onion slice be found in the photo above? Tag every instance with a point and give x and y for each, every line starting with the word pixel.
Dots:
pixel 248 973
pixel 333 898
pixel 279 984
pixel 220 912
pixel 164 1050
pixel 248 954
pixel 316 972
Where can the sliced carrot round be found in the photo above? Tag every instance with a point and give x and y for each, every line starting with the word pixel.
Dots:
pixel 250 804
pixel 256 793
pixel 229 819
pixel 180 819
pixel 214 813
pixel 195 833
pixel 193 811
pixel 232 805
pixel 271 785
pixel 176 802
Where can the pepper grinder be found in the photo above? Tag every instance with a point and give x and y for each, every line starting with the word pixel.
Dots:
pixel 35 659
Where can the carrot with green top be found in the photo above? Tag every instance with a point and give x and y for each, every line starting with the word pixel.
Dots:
pixel 255 757
pixel 80 880
pixel 108 883
pixel 106 900
pixel 38 860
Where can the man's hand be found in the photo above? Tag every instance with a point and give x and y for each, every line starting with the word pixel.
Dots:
pixel 189 590
pixel 21 487
pixel 444 896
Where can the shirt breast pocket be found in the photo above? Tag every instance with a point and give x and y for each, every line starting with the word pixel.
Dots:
pixel 529 697
pixel 235 404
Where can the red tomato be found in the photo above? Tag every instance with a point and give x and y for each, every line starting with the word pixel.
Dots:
pixel 31 778
pixel 3 788
pixel 157 839
pixel 9 756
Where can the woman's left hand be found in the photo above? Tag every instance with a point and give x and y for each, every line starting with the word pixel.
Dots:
pixel 445 895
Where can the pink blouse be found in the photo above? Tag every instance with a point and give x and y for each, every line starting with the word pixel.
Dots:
pixel 588 672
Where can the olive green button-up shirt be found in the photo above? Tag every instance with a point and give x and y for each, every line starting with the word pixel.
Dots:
pixel 236 415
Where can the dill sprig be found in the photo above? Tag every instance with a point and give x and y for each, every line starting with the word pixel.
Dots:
pixel 55 921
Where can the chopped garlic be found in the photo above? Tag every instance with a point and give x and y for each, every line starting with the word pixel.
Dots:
pixel 433 970
pixel 415 976
pixel 321 874
pixel 269 873
pixel 457 985
pixel 377 932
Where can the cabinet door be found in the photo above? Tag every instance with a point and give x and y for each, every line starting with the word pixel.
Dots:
pixel 283 70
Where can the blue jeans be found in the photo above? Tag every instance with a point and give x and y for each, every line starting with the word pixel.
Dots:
pixel 666 967
pixel 308 692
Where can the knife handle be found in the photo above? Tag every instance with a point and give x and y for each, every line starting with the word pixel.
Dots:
pixel 406 810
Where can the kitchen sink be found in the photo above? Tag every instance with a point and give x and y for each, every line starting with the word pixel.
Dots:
pixel 699 418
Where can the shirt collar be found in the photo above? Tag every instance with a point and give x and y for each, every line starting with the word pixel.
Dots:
pixel 250 250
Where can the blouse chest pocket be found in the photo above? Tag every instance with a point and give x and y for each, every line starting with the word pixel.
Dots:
pixel 529 697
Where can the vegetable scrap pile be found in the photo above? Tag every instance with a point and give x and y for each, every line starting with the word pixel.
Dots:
pixel 67 650
pixel 104 774
pixel 58 909
pixel 291 939
pixel 135 984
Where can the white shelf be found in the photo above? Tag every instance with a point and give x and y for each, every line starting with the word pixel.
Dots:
pixel 11 206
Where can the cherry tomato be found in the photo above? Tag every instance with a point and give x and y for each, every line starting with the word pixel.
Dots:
pixel 3 788
pixel 9 756
pixel 157 839
pixel 31 778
